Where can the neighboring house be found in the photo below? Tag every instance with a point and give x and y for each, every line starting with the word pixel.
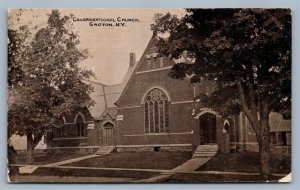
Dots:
pixel 20 143
pixel 280 130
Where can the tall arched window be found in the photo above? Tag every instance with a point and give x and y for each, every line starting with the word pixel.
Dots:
pixel 156 111
pixel 80 126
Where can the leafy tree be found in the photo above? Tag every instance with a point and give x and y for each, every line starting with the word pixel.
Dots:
pixel 247 52
pixel 44 79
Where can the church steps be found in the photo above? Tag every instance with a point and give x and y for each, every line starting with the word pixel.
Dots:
pixel 105 150
pixel 205 151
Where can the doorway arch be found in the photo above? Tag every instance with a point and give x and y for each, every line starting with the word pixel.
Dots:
pixel 208 128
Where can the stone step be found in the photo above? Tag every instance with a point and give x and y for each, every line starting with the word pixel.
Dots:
pixel 209 153
pixel 203 155
pixel 212 152
pixel 104 150
pixel 205 151
pixel 208 146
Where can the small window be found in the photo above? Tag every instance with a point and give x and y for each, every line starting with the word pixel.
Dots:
pixel 63 131
pixel 148 63
pixel 80 126
pixel 156 149
pixel 153 49
pixel 283 138
pixel 226 127
pixel 152 60
pixel 161 61
pixel 157 62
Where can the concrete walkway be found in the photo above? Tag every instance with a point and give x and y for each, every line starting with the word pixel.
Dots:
pixel 202 154
pixel 28 169
pixel 161 171
pixel 187 167
pixel 67 179
pixel 72 160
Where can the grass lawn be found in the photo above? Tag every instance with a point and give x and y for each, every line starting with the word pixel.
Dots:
pixel 140 160
pixel 73 172
pixel 42 158
pixel 68 179
pixel 212 178
pixel 246 162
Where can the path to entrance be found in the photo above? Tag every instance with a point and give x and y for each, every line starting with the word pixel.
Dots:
pixel 72 160
pixel 202 154
pixel 200 157
pixel 31 168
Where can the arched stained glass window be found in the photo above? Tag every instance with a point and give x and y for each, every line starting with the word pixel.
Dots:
pixel 156 106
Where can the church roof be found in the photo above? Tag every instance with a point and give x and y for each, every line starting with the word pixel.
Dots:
pixel 105 96
pixel 111 94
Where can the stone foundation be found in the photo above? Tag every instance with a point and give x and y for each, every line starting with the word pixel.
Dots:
pixel 253 147
pixel 143 148
pixel 78 150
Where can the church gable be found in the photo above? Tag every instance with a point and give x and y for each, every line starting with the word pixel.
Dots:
pixel 152 71
pixel 151 60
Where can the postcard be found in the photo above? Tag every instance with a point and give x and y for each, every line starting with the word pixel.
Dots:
pixel 149 95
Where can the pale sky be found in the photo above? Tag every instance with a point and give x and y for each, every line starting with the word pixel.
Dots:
pixel 109 47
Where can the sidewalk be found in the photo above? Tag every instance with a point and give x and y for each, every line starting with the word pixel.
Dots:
pixel 28 169
pixel 72 160
pixel 69 179
pixel 187 167
pixel 201 155
pixel 163 174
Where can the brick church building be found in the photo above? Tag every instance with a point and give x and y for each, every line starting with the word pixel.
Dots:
pixel 152 111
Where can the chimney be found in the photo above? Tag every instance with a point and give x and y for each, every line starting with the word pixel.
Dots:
pixel 132 60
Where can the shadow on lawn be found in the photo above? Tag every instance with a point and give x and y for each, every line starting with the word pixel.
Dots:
pixel 139 160
pixel 246 162
pixel 213 178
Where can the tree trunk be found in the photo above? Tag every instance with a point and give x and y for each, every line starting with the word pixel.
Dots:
pixel 29 154
pixel 261 127
pixel 32 141
pixel 264 144
pixel 264 154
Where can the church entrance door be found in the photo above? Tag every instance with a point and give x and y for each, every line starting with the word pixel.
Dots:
pixel 208 130
pixel 108 134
